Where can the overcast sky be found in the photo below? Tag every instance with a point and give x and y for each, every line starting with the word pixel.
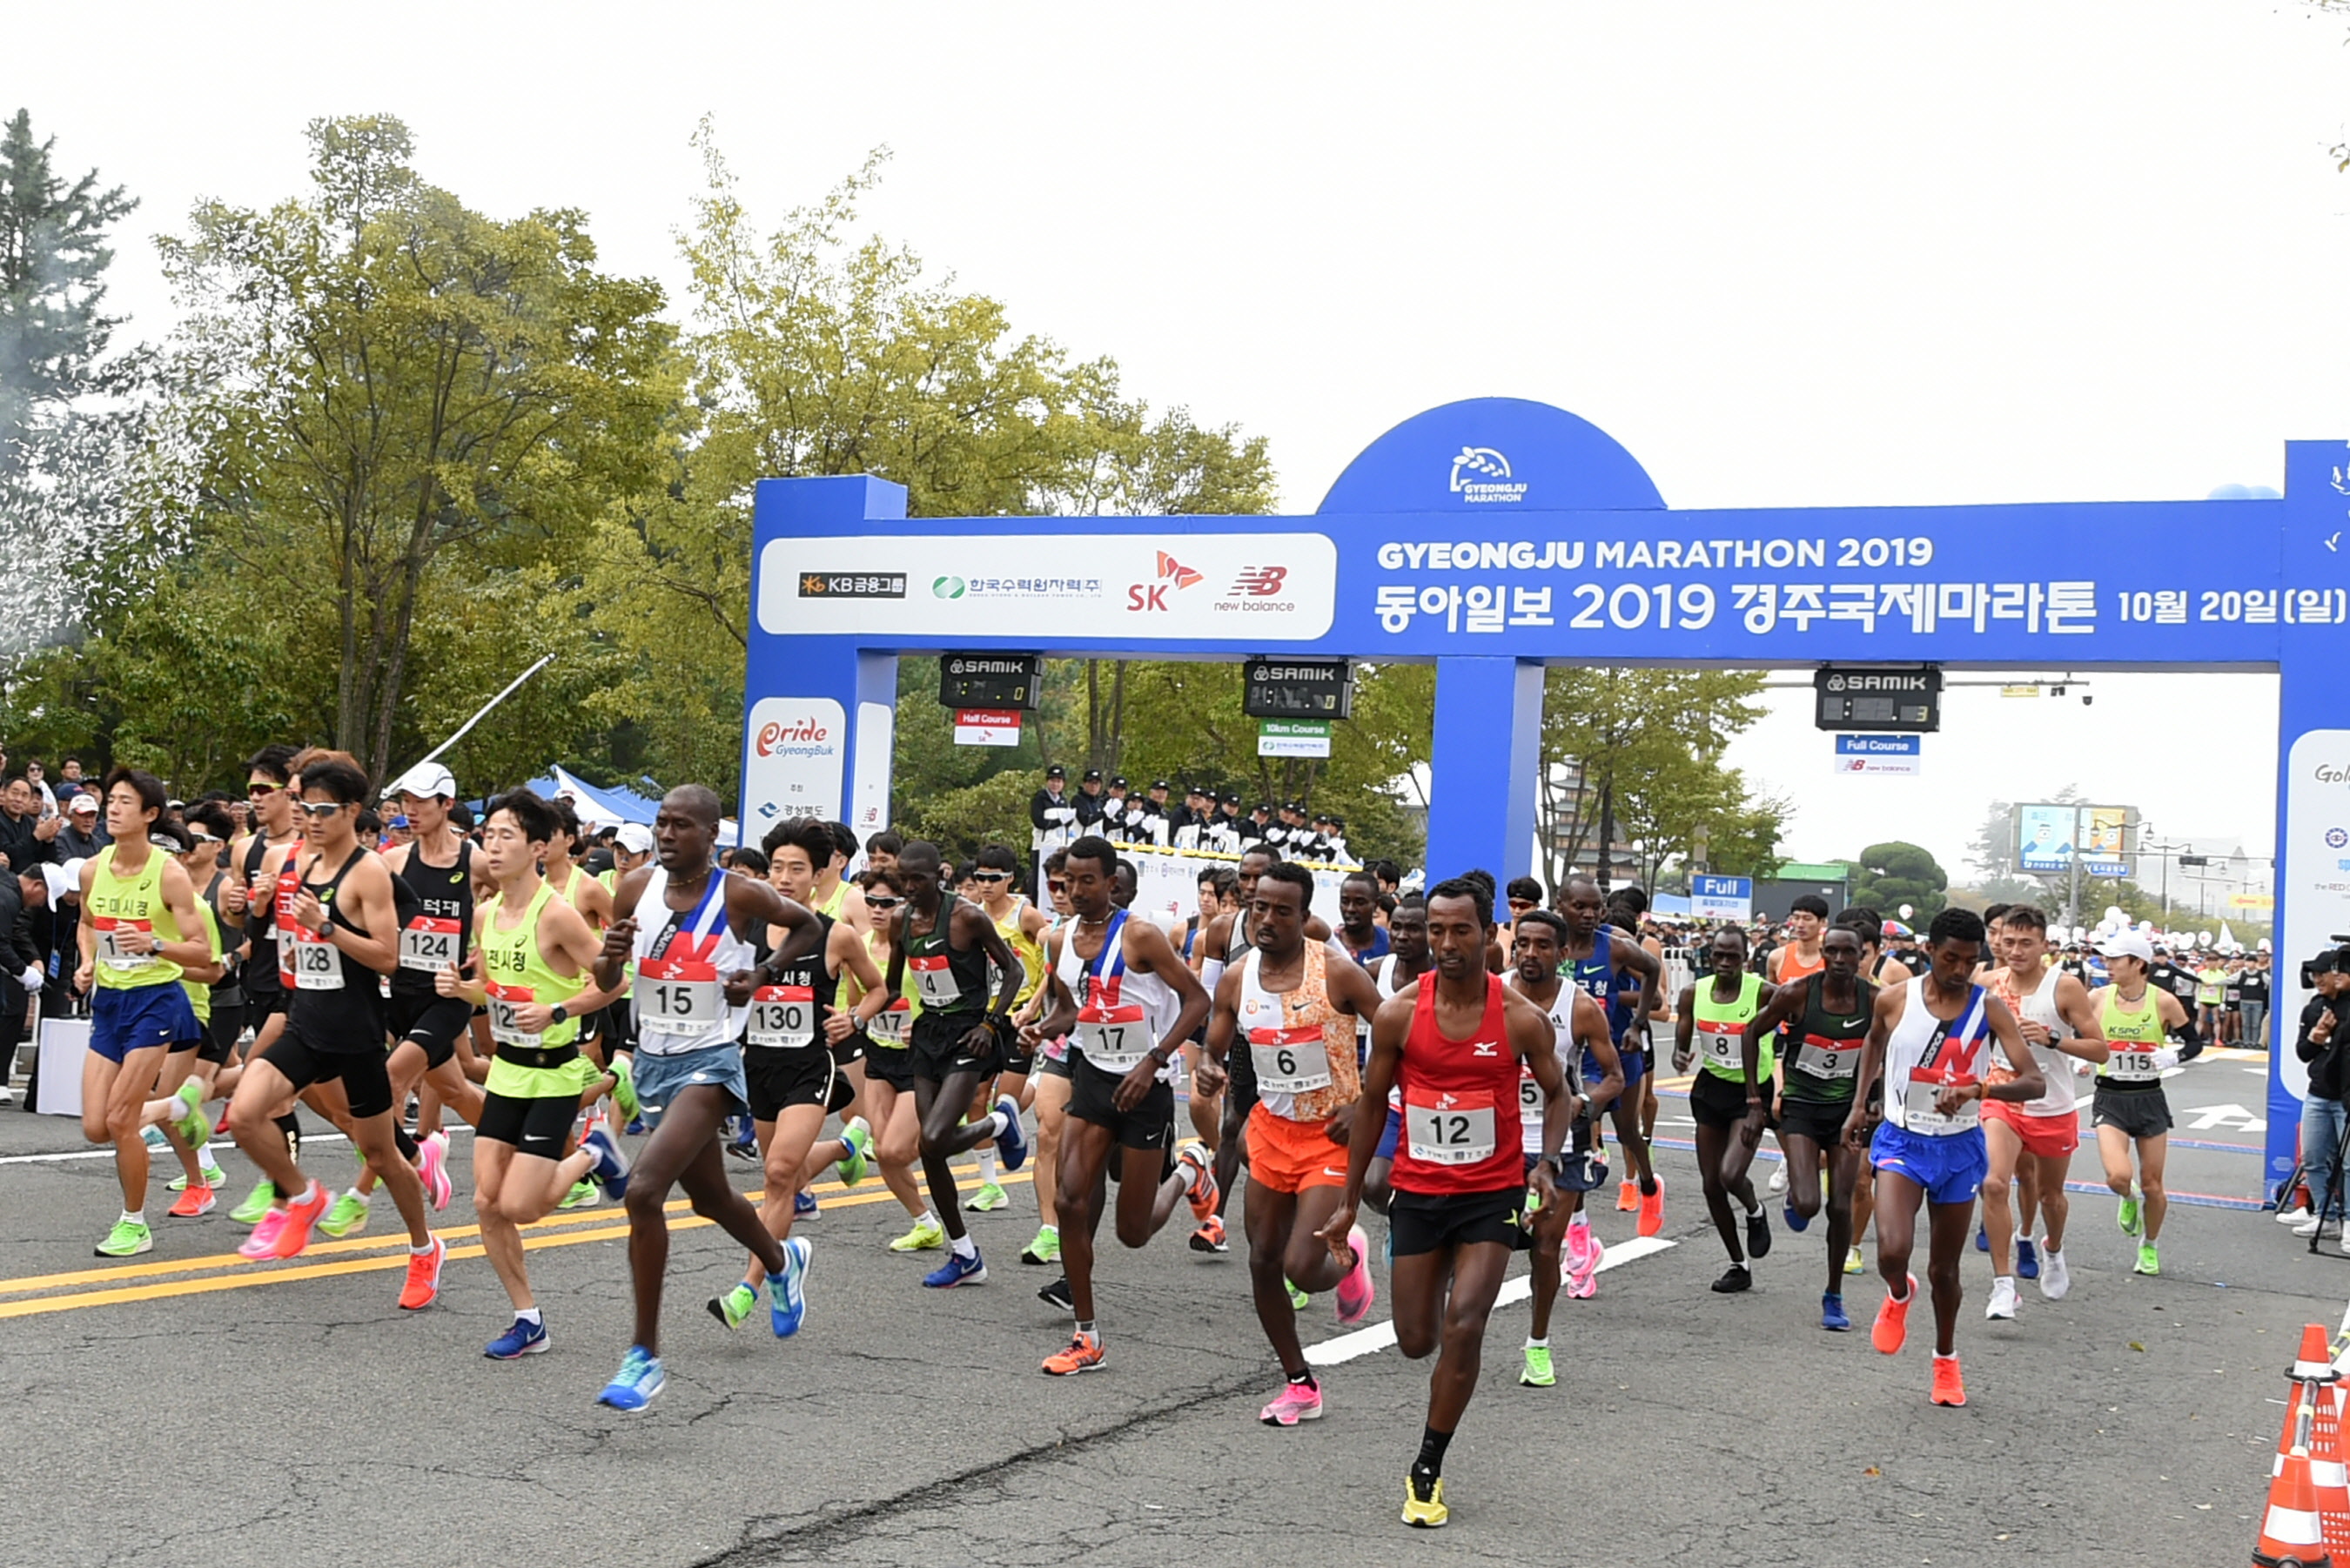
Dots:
pixel 1788 254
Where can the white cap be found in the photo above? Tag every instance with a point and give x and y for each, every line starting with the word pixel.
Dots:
pixel 424 780
pixel 82 800
pixel 2127 944
pixel 65 881
pixel 636 838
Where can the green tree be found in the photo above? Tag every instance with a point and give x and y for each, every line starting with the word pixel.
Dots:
pixel 393 400
pixel 1887 876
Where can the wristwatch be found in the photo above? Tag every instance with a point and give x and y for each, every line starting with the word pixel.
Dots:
pixel 326 928
pixel 557 1014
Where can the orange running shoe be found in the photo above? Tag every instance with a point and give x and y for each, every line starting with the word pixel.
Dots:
pixel 1084 1355
pixel 1652 1208
pixel 1892 1326
pixel 1949 1387
pixel 300 1215
pixel 1628 1198
pixel 1203 1189
pixel 423 1282
pixel 1210 1237
pixel 197 1200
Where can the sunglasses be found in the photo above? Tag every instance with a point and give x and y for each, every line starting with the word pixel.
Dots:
pixel 1522 903
pixel 990 875
pixel 319 808
pixel 1056 887
pixel 258 790
pixel 873 903
pixel 204 838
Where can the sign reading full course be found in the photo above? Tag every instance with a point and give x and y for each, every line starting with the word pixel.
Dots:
pixel 1901 756
pixel 1721 898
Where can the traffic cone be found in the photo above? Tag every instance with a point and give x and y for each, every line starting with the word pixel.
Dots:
pixel 2329 1478
pixel 2292 1533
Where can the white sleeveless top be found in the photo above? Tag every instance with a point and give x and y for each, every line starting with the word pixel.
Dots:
pixel 1570 1062
pixel 1121 1013
pixel 2040 1007
pixel 682 964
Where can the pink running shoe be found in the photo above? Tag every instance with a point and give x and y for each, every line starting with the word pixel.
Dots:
pixel 1572 1250
pixel 262 1242
pixel 1356 1292
pixel 432 1166
pixel 1583 1283
pixel 1296 1402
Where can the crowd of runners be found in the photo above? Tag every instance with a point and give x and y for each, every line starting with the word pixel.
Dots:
pixel 1459 1060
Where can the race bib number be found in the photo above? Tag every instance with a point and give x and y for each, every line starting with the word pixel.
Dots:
pixel 934 982
pixel 2132 1067
pixel 317 965
pixel 1829 1058
pixel 1459 1131
pixel 1724 1048
pixel 1530 1112
pixel 110 950
pixel 285 955
pixel 504 1027
pixel 888 1027
pixel 1918 1114
pixel 428 943
pixel 1114 1038
pixel 1289 1061
pixel 678 994
pixel 783 1017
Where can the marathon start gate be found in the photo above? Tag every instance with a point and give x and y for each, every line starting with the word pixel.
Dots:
pixel 1495 536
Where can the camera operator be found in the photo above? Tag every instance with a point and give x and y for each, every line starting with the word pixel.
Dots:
pixel 2323 1042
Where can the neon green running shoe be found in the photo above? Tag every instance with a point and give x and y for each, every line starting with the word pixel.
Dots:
pixel 736 1305
pixel 583 1195
pixel 346 1217
pixel 1852 1263
pixel 2127 1217
pixel 191 1125
pixel 256 1205
pixel 2149 1262
pixel 858 1136
pixel 214 1177
pixel 1298 1300
pixel 927 1236
pixel 624 1089
pixel 987 1199
pixel 127 1240
pixel 1045 1247
pixel 1538 1373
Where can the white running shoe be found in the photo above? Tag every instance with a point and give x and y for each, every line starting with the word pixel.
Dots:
pixel 2307 1227
pixel 2293 1216
pixel 1778 1177
pixel 2003 1300
pixel 2055 1274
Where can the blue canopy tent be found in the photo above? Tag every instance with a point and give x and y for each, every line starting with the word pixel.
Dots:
pixel 596 805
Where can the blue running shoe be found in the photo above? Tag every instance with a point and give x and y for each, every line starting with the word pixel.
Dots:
pixel 633 1386
pixel 609 1166
pixel 524 1338
pixel 1796 1221
pixel 1832 1316
pixel 788 1292
pixel 636 1127
pixel 2027 1258
pixel 957 1271
pixel 1011 1144
pixel 804 1206
pixel 1983 1239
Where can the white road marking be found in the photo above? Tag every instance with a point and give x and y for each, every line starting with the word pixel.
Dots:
pixel 454 1129
pixel 1369 1341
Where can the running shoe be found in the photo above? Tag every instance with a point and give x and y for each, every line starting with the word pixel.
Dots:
pixel 742 1137
pixel 524 1338
pixel 2126 1216
pixel 2056 1273
pixel 1583 1284
pixel 624 1089
pixel 1202 1192
pixel 1628 1198
pixel 424 1282
pixel 1778 1182
pixel 1758 1235
pixel 1045 1247
pixel 804 1206
pixel 1356 1292
pixel 1733 1280
pixel 957 1270
pixel 734 1307
pixel 636 1127
pixel 1084 1355
pixel 2293 1216
pixel 1571 1251
pixel 127 1240
pixel 191 1125
pixel 608 1166
pixel 858 1138
pixel 638 1379
pixel 1950 1389
pixel 1012 1143
pixel 152 1136
pixel 214 1177
pixel 927 1236
pixel 1983 1239
pixel 302 1215
pixel 194 1200
pixel 2002 1301
pixel 1423 1502
pixel 1296 1402
pixel 1057 1295
pixel 1852 1263
pixel 1210 1236
pixel 788 1292
pixel 1832 1317
pixel 2148 1261
pixel 262 1242
pixel 256 1206
pixel 1892 1326
pixel 1797 1221
pixel 1652 1208
pixel 347 1217
pixel 1537 1372
pixel 987 1199
pixel 432 1169
pixel 1298 1300
pixel 584 1194
pixel 2027 1259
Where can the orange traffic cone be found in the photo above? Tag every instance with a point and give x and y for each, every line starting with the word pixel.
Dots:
pixel 2329 1477
pixel 2292 1533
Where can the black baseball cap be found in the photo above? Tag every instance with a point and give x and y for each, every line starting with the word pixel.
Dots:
pixel 1119 783
pixel 1056 771
pixel 1258 806
pixel 1093 775
pixel 1160 784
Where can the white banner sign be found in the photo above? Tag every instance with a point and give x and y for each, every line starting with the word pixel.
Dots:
pixel 987 727
pixel 2315 846
pixel 875 729
pixel 798 755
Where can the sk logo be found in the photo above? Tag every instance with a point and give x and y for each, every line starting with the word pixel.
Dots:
pixel 1176 571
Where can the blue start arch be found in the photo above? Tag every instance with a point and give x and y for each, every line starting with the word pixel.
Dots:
pixel 1495 536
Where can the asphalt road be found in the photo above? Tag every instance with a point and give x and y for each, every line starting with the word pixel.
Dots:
pixel 188 1406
